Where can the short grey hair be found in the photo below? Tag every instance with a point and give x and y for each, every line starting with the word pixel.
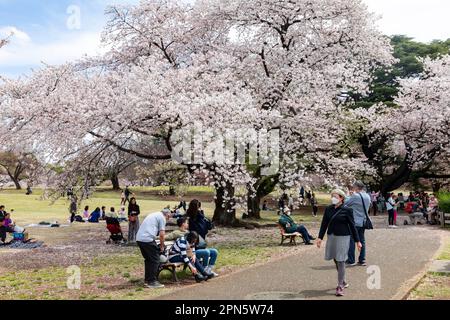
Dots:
pixel 359 185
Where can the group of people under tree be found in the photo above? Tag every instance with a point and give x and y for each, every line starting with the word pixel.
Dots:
pixel 190 245
pixel 344 222
pixel 306 198
pixel 418 206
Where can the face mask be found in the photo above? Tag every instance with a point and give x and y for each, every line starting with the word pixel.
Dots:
pixel 335 201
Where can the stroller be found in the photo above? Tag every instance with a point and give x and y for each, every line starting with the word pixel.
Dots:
pixel 113 226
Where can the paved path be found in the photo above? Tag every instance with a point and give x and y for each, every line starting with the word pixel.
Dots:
pixel 401 254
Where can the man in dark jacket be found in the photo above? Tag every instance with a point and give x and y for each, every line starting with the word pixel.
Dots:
pixel 290 226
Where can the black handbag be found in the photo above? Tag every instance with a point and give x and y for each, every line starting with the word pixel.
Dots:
pixel 367 223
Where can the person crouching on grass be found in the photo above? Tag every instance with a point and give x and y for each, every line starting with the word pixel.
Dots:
pixel 178 254
pixel 339 222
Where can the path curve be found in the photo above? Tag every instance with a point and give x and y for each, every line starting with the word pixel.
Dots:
pixel 401 254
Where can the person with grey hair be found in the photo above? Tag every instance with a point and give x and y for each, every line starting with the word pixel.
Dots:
pixel 339 225
pixel 360 203
pixel 153 228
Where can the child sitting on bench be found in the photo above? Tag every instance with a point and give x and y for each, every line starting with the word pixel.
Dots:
pixel 179 254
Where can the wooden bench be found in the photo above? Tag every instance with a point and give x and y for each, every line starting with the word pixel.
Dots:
pixel 169 266
pixel 291 236
pixel 172 268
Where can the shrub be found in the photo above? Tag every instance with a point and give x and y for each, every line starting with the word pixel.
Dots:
pixel 444 201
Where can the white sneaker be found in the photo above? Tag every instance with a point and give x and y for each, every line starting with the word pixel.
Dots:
pixel 209 270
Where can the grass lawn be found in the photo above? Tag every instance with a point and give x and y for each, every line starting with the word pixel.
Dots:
pixel 435 286
pixel 110 272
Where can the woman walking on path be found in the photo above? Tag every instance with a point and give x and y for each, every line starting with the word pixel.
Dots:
pixel 133 220
pixel 339 224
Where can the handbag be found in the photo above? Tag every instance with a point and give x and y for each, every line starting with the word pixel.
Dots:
pixel 132 218
pixel 367 223
pixel 201 243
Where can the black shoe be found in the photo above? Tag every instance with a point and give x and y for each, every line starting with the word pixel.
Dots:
pixel 312 238
pixel 208 276
pixel 154 285
pixel 199 278
pixel 309 244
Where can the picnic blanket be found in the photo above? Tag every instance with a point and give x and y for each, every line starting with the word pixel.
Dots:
pixel 31 244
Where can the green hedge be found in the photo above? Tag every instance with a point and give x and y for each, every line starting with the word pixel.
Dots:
pixel 444 201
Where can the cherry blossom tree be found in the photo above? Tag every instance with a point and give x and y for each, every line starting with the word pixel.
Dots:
pixel 411 140
pixel 227 65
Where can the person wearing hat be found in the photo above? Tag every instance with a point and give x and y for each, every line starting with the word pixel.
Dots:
pixel 339 224
pixel 290 226
pixel 153 228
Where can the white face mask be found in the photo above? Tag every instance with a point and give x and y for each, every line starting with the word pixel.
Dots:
pixel 335 201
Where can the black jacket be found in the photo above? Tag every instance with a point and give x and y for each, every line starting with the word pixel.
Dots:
pixel 342 225
pixel 134 210
pixel 201 225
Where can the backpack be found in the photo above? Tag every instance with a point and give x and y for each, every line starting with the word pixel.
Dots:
pixel 79 218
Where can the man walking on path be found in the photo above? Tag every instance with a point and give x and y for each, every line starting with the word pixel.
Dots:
pixel 359 201
pixel 153 228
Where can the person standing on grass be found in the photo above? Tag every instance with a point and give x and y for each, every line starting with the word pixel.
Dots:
pixel 302 196
pixel 127 194
pixel 339 225
pixel 315 204
pixel 153 228
pixel 133 220
pixel 73 208
pixel 359 202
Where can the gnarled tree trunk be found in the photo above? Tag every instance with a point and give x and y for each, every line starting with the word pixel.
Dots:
pixel 264 186
pixel 115 182
pixel 225 213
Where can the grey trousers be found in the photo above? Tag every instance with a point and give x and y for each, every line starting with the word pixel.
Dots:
pixel 133 228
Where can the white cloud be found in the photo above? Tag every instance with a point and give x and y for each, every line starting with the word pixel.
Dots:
pixel 22 51
pixel 17 35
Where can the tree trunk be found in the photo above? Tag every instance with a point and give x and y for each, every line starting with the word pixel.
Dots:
pixel 224 213
pixel 254 206
pixel 436 186
pixel 264 186
pixel 172 191
pixel 16 180
pixel 115 182
pixel 17 183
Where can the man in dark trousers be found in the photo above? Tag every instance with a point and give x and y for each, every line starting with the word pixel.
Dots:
pixel 152 229
pixel 127 193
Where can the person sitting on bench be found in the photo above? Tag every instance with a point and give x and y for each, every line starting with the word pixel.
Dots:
pixel 178 254
pixel 290 227
pixel 183 229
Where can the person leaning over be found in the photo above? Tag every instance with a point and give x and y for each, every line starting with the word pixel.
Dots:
pixel 153 227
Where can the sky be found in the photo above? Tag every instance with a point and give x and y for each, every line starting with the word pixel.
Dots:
pixel 56 31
